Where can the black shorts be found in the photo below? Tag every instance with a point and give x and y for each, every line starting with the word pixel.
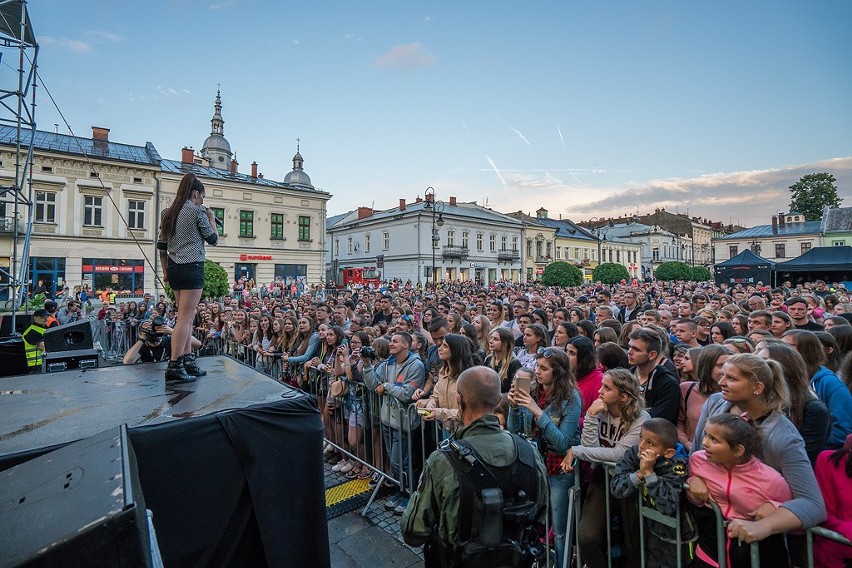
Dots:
pixel 189 276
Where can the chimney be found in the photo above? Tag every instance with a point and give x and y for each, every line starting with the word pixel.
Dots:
pixel 187 155
pixel 234 165
pixel 418 200
pixel 780 219
pixel 254 169
pixel 775 224
pixel 99 133
pixel 402 204
pixel 364 212
pixel 453 201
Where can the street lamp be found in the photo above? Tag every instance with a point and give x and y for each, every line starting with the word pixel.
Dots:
pixel 437 209
pixel 597 236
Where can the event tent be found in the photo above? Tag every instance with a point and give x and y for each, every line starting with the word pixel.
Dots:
pixel 745 268
pixel 832 264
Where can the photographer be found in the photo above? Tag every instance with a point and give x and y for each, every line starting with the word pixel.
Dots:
pixel 70 313
pixel 154 342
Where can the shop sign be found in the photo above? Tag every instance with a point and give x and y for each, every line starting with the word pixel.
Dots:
pixel 245 257
pixel 103 268
pixel 478 265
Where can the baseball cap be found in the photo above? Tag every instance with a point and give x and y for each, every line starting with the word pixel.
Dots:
pixel 583 299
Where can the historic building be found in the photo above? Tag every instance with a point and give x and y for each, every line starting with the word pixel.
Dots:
pixel 787 237
pixel 656 245
pixel 97 206
pixel 428 241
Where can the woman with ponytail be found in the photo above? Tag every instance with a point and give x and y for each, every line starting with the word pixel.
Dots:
pixel 757 389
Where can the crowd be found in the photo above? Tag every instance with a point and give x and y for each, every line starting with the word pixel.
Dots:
pixel 740 393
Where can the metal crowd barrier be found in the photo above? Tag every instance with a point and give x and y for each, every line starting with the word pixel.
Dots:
pixel 823 533
pixel 115 337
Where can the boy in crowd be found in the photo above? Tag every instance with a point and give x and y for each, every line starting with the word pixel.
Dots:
pixel 656 469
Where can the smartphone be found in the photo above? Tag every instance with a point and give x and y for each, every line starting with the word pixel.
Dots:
pixel 424 411
pixel 522 383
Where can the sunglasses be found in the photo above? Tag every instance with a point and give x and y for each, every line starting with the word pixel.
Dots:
pixel 546 352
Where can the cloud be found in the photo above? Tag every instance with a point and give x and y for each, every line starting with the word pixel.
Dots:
pixel 222 5
pixel 406 57
pixel 295 42
pixel 745 197
pixel 466 129
pixel 520 135
pixel 103 36
pixel 73 45
pixel 496 171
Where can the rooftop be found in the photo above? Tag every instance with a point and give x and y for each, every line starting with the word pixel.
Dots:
pixel 785 230
pixel 837 219
pixel 467 210
pixel 176 167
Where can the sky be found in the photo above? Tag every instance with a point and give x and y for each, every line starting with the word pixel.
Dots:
pixel 584 108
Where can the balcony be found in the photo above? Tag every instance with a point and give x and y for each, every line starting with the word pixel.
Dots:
pixel 542 259
pixel 505 255
pixel 7 225
pixel 455 252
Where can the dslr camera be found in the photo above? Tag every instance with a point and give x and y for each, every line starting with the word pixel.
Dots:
pixel 368 352
pixel 152 334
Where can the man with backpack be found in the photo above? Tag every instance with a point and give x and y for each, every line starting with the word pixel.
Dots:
pixel 480 495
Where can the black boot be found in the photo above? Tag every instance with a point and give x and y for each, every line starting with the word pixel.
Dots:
pixel 191 366
pixel 176 373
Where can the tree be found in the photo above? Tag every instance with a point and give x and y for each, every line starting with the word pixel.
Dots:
pixel 673 271
pixel 216 282
pixel 610 273
pixel 812 193
pixel 561 274
pixel 700 274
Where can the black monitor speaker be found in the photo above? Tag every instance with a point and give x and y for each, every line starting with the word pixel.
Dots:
pixel 75 336
pixel 78 506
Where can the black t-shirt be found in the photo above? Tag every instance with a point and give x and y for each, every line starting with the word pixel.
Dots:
pixel 151 354
pixel 810 326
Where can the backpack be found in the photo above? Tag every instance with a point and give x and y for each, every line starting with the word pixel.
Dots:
pixel 498 509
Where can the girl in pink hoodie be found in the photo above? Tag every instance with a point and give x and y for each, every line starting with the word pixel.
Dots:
pixel 834 476
pixel 727 472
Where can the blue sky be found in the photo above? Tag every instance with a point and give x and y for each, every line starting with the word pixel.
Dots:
pixel 585 108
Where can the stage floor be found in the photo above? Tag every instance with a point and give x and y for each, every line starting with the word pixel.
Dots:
pixel 39 411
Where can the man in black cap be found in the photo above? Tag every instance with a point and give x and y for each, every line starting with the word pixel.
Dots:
pixel 51 308
pixel 33 340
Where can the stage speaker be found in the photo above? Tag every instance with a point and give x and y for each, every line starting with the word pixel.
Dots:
pixel 78 506
pixel 59 361
pixel 75 336
pixel 14 357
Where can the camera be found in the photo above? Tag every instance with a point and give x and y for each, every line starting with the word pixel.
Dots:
pixel 368 352
pixel 152 333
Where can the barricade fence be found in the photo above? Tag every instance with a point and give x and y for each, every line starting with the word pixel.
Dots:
pixel 386 439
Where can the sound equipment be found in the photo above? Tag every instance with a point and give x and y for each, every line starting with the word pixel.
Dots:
pixel 14 357
pixel 75 336
pixel 68 360
pixel 78 506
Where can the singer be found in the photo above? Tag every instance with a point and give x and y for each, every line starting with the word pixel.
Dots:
pixel 184 228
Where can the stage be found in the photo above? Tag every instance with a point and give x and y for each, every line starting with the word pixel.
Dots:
pixel 230 465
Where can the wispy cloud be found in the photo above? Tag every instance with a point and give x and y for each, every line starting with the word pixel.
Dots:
pixel 747 197
pixel 496 170
pixel 222 5
pixel 103 36
pixel 466 129
pixel 561 139
pixel 520 135
pixel 74 45
pixel 406 57
pixel 295 42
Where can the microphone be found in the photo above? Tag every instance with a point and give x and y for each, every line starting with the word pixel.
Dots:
pixel 215 218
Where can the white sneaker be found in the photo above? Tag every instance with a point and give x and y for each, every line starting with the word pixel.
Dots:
pixel 349 466
pixel 338 467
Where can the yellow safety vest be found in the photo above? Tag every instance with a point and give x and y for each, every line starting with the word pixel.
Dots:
pixel 31 349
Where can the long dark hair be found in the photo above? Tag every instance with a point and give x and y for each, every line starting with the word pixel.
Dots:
pixel 586 358
pixel 796 376
pixel 460 355
pixel 564 381
pixel 188 184
pixel 707 359
pixel 844 453
pixel 739 432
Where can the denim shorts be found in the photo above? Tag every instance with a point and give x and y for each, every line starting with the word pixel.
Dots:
pixel 189 276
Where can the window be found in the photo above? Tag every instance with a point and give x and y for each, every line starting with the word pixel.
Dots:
pixel 779 251
pixel 451 237
pixel 45 207
pixel 386 239
pixel 219 213
pixel 576 252
pixel 304 228
pixel 94 174
pixel 733 250
pixel 47 169
pixel 504 242
pixel 479 242
pixel 92 210
pixel 367 242
pixel 247 223
pixel 276 233
pixel 558 253
pixel 136 214
pixel 465 236
pixel 529 248
pixel 349 245
pixel 655 254
pixel 492 243
pixel 807 247
pixel 618 256
pixel 137 180
pixel 515 244
pixel 336 247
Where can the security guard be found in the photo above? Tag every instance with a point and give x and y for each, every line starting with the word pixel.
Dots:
pixel 433 513
pixel 33 344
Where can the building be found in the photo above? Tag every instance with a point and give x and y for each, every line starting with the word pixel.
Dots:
pixel 97 206
pixel 93 210
pixel 656 245
pixel 270 229
pixel 538 245
pixel 700 231
pixel 837 226
pixel 462 241
pixel 789 236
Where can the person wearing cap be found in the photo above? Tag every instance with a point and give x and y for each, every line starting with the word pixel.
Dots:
pixel 50 306
pixel 34 340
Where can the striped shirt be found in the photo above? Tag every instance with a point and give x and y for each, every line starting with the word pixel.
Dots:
pixel 192 228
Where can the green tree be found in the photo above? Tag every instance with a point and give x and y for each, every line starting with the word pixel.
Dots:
pixel 561 274
pixel 216 282
pixel 610 273
pixel 700 274
pixel 673 271
pixel 812 193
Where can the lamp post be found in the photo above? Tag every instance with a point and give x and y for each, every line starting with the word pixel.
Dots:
pixel 597 236
pixel 437 210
